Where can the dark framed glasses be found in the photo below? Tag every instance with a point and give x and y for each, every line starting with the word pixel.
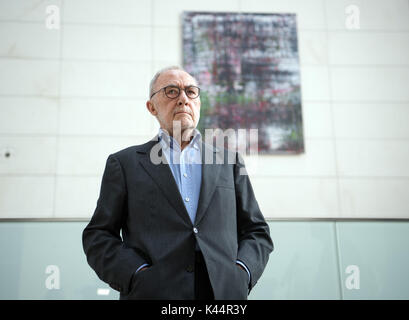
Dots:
pixel 172 92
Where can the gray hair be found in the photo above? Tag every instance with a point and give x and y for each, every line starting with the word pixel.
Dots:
pixel 157 74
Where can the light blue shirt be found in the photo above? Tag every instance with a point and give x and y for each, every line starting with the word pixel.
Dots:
pixel 186 168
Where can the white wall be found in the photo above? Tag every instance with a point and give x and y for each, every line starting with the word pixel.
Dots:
pixel 70 97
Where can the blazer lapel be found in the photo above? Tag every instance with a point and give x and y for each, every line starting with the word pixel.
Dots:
pixel 163 177
pixel 210 175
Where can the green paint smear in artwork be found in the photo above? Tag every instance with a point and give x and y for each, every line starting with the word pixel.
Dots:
pixel 233 98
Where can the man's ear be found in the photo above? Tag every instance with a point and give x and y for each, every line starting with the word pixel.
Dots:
pixel 151 108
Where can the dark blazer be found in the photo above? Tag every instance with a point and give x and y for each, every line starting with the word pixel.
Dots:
pixel 141 200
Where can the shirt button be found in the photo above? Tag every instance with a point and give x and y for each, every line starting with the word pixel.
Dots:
pixel 187 199
pixel 185 175
pixel 195 230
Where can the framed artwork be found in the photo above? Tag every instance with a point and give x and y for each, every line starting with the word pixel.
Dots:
pixel 248 69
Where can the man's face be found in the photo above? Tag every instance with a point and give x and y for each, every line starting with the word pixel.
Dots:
pixel 182 109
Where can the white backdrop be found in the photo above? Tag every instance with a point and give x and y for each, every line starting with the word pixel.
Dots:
pixel 71 96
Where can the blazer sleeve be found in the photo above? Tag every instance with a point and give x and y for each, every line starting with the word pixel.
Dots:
pixel 107 254
pixel 253 232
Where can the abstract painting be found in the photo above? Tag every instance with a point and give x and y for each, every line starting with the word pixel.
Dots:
pixel 247 66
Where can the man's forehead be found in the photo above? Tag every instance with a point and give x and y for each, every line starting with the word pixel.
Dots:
pixel 175 77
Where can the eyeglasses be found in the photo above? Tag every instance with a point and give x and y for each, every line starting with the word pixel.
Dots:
pixel 172 92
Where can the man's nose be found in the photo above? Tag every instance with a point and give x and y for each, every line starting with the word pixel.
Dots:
pixel 183 98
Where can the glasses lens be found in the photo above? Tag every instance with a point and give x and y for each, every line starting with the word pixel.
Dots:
pixel 172 92
pixel 192 92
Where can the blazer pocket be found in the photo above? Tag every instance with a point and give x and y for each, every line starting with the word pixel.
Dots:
pixel 139 280
pixel 225 182
pixel 243 273
pixel 243 282
pixel 225 186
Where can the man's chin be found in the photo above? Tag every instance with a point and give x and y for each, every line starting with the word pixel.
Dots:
pixel 186 124
pixel 182 117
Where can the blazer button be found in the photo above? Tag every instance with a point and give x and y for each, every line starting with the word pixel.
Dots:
pixel 195 230
pixel 190 268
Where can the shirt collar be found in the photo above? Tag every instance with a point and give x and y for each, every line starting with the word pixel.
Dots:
pixel 170 142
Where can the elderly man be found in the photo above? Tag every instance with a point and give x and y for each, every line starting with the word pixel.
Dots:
pixel 190 229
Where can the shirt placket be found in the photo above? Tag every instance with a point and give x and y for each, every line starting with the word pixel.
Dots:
pixel 185 180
